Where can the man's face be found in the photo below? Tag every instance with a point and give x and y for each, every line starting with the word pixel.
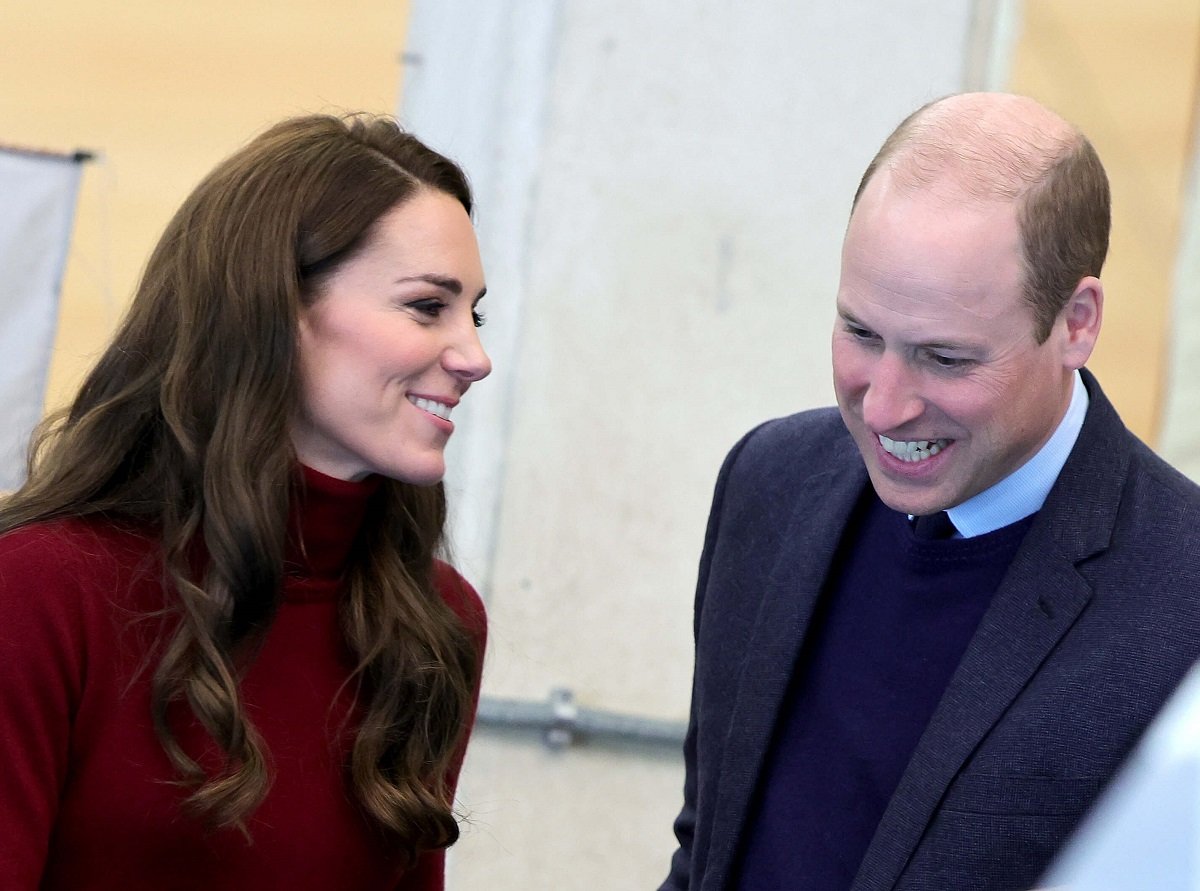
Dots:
pixel 937 371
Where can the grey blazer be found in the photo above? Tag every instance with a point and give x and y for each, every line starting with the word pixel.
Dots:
pixel 1095 623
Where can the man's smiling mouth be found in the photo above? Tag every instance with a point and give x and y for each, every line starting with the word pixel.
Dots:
pixel 913 450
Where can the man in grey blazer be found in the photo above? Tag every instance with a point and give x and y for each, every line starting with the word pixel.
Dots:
pixel 878 706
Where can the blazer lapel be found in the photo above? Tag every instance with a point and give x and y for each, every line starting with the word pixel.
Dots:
pixel 791 591
pixel 1037 603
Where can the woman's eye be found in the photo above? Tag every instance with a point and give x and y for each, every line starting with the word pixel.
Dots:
pixel 431 308
pixel 478 318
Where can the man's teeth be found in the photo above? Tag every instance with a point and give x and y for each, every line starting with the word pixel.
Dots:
pixel 441 409
pixel 915 450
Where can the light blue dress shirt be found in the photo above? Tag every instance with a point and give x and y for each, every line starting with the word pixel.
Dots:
pixel 1023 491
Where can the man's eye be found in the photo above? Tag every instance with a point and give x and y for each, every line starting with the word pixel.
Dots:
pixel 948 361
pixel 859 333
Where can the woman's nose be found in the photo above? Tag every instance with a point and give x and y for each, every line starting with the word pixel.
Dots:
pixel 466 358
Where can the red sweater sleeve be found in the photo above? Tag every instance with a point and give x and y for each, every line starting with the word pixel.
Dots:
pixel 467 604
pixel 429 873
pixel 43 656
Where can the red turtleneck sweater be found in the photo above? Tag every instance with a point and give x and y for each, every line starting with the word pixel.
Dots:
pixel 86 798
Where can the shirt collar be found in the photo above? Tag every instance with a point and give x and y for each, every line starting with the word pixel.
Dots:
pixel 1023 491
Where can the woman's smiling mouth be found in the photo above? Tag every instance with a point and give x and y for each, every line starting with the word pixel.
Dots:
pixel 440 409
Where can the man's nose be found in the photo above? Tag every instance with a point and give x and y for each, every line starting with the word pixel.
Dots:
pixel 893 396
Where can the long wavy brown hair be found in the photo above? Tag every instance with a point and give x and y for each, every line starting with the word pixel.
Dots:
pixel 183 427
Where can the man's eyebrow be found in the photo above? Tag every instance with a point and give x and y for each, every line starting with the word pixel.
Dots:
pixel 948 345
pixel 849 317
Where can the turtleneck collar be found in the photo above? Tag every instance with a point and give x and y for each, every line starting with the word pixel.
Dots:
pixel 325 517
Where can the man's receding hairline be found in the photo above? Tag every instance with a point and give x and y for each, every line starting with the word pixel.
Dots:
pixel 969 148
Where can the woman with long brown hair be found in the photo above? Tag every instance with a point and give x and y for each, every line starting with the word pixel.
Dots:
pixel 229 657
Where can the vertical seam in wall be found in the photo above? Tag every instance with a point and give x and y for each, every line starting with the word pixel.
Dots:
pixel 1179 439
pixel 987 62
pixel 524 265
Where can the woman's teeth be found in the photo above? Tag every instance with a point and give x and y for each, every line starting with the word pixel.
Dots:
pixel 441 409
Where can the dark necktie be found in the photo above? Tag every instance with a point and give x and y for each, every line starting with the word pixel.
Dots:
pixel 931 526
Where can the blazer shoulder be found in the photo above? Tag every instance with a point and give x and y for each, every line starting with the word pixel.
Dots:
pixel 780 439
pixel 1169 482
pixel 1160 512
pixel 775 466
pixel 1114 489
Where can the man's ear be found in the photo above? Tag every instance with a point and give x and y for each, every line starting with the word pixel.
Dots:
pixel 1082 317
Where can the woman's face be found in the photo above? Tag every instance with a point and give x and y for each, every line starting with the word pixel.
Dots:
pixel 390 346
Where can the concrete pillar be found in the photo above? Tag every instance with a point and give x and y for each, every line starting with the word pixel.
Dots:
pixel 662 191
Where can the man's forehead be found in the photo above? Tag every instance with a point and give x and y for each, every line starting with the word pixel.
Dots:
pixel 933 273
pixel 946 191
pixel 914 320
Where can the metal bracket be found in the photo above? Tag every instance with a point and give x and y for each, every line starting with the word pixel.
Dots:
pixel 563 723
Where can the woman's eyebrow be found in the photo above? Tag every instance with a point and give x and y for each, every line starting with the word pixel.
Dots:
pixel 445 282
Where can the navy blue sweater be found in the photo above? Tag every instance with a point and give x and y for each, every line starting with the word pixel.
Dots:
pixel 890 628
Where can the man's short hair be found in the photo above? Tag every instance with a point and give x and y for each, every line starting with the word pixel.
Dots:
pixel 1064 212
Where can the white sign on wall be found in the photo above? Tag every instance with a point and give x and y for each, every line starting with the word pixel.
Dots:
pixel 37 206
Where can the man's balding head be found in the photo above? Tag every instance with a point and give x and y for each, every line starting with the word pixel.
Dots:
pixel 999 147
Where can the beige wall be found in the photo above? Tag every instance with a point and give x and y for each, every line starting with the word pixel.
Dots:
pixel 162 91
pixel 1126 74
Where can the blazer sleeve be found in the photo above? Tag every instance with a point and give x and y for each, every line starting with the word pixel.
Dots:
pixel 679 878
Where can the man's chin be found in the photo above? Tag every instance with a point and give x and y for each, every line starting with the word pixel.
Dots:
pixel 906 501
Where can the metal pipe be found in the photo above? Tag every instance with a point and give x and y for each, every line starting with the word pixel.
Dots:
pixel 563 723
